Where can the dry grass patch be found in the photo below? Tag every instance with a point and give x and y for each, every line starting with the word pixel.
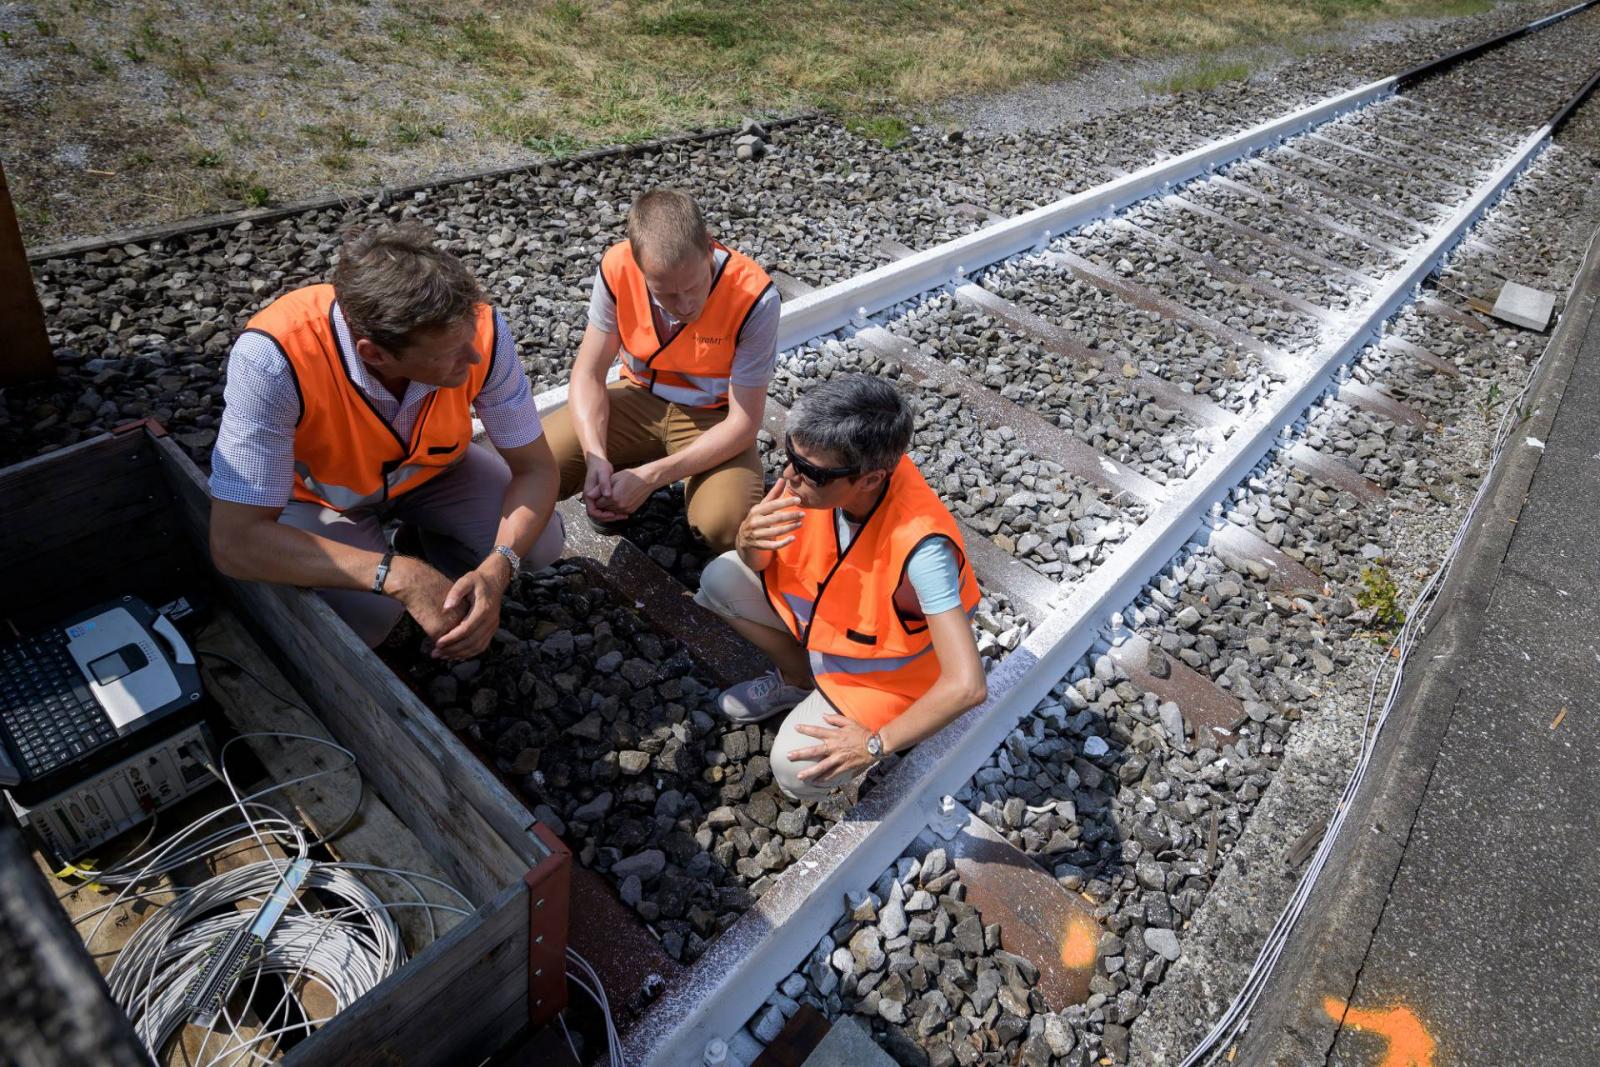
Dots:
pixel 138 111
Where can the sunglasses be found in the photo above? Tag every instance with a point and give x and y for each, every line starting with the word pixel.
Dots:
pixel 817 476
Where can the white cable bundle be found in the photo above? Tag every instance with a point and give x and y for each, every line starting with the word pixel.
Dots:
pixel 347 948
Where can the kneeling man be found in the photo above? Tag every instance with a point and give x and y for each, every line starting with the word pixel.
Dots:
pixel 851 576
pixel 695 325
pixel 350 405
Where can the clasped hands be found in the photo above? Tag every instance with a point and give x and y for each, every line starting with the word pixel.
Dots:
pixel 460 617
pixel 611 495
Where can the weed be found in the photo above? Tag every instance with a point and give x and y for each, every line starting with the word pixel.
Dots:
pixel 1488 402
pixel 44 27
pixel 339 161
pixel 139 159
pixel 1201 77
pixel 891 131
pixel 248 190
pixel 208 160
pixel 6 40
pixel 714 28
pixel 131 50
pixel 568 14
pixel 1381 596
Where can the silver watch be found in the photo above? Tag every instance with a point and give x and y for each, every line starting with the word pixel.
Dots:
pixel 511 557
pixel 875 746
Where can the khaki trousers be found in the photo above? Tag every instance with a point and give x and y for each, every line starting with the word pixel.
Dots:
pixel 643 427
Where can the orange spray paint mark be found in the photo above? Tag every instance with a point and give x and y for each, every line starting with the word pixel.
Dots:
pixel 1078 943
pixel 1410 1044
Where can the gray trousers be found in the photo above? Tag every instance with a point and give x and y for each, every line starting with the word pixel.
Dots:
pixel 458 514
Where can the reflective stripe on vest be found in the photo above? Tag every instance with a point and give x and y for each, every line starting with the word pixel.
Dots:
pixel 694 366
pixel 346 455
pixel 871 661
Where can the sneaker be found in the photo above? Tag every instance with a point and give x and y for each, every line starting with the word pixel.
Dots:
pixel 760 698
pixel 606 529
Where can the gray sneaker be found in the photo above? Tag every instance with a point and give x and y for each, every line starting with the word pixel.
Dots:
pixel 760 698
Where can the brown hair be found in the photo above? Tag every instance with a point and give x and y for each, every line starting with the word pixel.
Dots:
pixel 391 280
pixel 667 226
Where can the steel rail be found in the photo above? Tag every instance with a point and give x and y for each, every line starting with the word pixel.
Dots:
pixel 739 970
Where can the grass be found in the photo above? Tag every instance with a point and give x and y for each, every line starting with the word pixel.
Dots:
pixel 1202 76
pixel 323 94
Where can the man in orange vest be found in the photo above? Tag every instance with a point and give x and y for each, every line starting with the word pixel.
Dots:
pixel 852 577
pixel 695 326
pixel 350 405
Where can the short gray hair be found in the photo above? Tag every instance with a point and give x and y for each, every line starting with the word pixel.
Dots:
pixel 860 418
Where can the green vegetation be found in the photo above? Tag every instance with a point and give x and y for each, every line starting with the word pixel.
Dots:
pixel 1380 595
pixel 1207 74
pixel 891 131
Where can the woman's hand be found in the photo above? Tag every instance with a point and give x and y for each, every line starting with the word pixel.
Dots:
pixel 842 753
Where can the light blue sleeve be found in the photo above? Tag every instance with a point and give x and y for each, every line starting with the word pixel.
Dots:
pixel 505 403
pixel 253 460
pixel 936 576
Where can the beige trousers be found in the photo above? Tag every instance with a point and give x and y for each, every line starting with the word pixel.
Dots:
pixel 643 427
pixel 734 591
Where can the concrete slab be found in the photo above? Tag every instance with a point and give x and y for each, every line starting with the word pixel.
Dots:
pixel 848 1044
pixel 1522 305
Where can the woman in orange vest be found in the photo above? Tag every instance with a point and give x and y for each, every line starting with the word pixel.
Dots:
pixel 852 577
pixel 694 326
pixel 348 407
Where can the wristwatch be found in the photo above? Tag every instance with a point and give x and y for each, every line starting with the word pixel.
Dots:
pixel 382 573
pixel 511 557
pixel 875 746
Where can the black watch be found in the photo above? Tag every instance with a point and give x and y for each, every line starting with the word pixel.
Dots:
pixel 383 571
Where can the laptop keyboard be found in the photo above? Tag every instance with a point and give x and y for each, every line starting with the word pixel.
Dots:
pixel 46 709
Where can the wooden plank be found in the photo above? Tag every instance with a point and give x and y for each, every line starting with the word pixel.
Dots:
pixel 456 1003
pixel 1044 923
pixel 799 1038
pixel 27 355
pixel 72 470
pixel 639 581
pixel 463 815
pixel 375 835
pixel 1203 704
pixel 57 1011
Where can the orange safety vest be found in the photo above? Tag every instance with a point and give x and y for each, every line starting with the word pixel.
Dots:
pixel 870 659
pixel 345 455
pixel 694 366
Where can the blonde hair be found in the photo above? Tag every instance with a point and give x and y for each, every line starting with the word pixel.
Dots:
pixel 666 226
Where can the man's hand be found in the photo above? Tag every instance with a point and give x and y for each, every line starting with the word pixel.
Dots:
pixel 843 750
pixel 425 593
pixel 597 488
pixel 478 593
pixel 771 524
pixel 629 490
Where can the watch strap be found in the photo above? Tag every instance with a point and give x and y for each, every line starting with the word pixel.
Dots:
pixel 511 557
pixel 382 574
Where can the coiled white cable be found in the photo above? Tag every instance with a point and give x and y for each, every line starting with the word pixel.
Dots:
pixel 347 945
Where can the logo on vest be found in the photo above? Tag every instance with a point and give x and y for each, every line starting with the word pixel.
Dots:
pixel 705 340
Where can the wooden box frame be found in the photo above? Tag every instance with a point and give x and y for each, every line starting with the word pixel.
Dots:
pixel 127 512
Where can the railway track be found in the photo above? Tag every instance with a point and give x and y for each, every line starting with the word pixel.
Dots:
pixel 1187 365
